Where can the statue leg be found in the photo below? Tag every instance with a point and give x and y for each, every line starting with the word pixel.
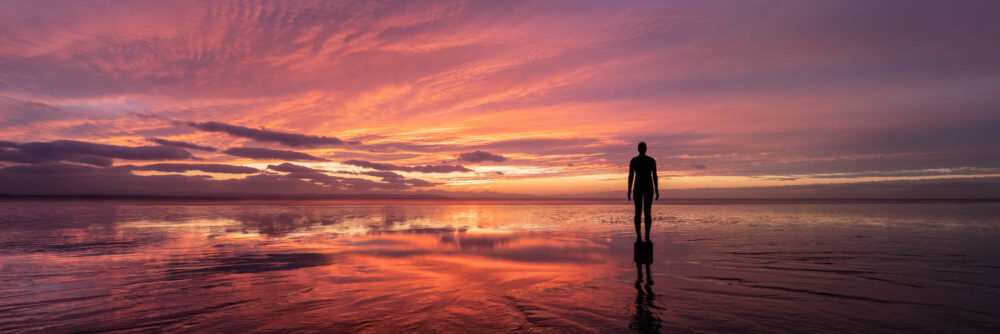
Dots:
pixel 647 210
pixel 637 199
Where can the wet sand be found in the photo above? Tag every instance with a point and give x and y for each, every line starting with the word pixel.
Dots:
pixel 388 266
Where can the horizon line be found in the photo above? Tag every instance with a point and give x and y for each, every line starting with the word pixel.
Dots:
pixel 450 198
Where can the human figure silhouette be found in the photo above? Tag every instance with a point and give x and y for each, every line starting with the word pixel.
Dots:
pixel 642 169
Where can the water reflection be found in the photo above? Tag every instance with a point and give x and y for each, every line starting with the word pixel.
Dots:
pixel 107 266
pixel 646 318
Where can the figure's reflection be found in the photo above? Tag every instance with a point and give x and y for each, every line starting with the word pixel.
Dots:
pixel 646 318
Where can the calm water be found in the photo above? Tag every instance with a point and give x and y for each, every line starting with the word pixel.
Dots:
pixel 388 266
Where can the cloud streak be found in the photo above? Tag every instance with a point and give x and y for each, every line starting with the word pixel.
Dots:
pixel 87 153
pixel 263 135
pixel 269 154
pixel 210 168
pixel 419 169
pixel 480 156
pixel 293 168
pixel 389 180
pixel 181 144
pixel 60 148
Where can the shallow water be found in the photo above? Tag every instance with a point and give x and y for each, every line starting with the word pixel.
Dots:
pixel 438 266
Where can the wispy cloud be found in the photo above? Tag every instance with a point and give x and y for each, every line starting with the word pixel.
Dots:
pixel 210 168
pixel 293 168
pixel 181 144
pixel 269 154
pixel 480 156
pixel 420 169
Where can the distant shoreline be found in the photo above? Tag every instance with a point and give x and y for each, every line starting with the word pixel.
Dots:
pixel 374 199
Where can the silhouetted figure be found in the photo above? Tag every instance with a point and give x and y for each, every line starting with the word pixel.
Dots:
pixel 646 318
pixel 642 169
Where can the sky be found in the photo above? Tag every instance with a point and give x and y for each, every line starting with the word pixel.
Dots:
pixel 499 98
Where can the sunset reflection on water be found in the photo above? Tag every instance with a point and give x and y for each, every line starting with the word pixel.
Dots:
pixel 81 266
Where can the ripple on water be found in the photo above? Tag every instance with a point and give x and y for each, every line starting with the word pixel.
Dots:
pixel 108 266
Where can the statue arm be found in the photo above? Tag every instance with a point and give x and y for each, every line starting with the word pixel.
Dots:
pixel 656 182
pixel 631 176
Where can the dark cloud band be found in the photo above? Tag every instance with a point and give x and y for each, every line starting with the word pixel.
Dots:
pixel 420 169
pixel 181 144
pixel 293 168
pixel 210 168
pixel 88 153
pixel 262 135
pixel 269 154
pixel 480 156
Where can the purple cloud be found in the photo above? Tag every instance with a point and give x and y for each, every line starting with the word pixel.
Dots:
pixel 77 180
pixel 284 138
pixel 389 180
pixel 416 182
pixel 51 168
pixel 390 177
pixel 182 144
pixel 480 156
pixel 60 148
pixel 88 153
pixel 421 169
pixel 293 168
pixel 269 154
pixel 89 160
pixel 210 168
pixel 22 157
pixel 383 174
pixel 18 156
pixel 347 183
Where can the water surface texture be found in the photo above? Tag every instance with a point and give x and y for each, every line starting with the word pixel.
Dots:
pixel 439 266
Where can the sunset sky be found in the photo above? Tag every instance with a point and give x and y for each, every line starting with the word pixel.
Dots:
pixel 499 98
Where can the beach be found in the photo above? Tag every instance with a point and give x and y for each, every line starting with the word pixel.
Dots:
pixel 494 266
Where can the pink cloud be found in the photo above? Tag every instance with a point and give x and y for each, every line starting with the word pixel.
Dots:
pixel 750 89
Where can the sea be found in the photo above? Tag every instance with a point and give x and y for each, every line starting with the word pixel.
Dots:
pixel 497 266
